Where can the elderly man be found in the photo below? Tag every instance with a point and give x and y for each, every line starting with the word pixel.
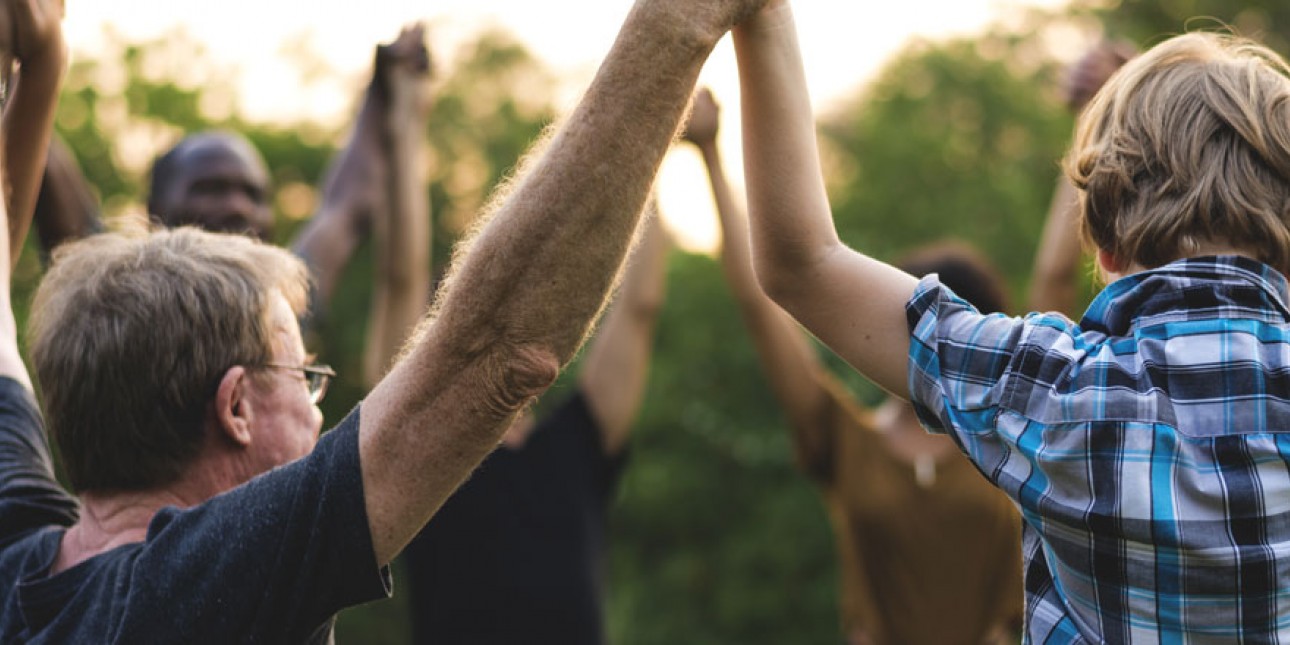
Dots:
pixel 177 386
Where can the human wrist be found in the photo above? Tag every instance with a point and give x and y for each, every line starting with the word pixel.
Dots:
pixel 774 16
pixel 684 27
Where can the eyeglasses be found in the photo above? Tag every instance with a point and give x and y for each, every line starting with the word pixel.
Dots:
pixel 316 378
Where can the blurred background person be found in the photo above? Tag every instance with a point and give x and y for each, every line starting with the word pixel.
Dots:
pixel 904 504
pixel 519 552
pixel 217 181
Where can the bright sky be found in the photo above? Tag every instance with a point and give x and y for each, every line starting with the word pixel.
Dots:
pixel 843 44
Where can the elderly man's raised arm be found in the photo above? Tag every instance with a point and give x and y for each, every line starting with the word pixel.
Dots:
pixel 853 303
pixel 29 113
pixel 523 293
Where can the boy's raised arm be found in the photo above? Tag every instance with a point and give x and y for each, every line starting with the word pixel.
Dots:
pixel 521 296
pixel 853 303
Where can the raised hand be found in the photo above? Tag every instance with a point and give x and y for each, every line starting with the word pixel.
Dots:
pixel 708 20
pixel 403 65
pixel 408 50
pixel 705 119
pixel 1087 75
pixel 735 12
pixel 401 229
pixel 37 41
pixel 404 69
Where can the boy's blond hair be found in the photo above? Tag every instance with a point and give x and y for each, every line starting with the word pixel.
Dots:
pixel 1187 147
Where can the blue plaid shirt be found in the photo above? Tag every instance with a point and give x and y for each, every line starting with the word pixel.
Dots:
pixel 1148 448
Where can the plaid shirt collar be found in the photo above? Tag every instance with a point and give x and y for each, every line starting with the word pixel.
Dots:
pixel 1199 288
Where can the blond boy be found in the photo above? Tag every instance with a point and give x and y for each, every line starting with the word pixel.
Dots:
pixel 1146 446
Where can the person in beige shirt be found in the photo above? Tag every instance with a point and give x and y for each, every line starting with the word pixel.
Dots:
pixel 904 505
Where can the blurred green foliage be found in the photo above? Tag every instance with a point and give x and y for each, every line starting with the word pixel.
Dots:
pixel 1149 21
pixel 949 142
pixel 715 537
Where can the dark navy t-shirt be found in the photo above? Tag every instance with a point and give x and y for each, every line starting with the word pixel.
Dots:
pixel 517 554
pixel 270 561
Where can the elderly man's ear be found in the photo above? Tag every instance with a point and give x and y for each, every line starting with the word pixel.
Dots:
pixel 232 408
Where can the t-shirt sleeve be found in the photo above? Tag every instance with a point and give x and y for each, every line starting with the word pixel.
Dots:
pixel 958 359
pixel 273 559
pixel 30 496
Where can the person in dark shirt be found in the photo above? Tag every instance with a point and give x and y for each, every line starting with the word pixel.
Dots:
pixel 175 381
pixel 517 553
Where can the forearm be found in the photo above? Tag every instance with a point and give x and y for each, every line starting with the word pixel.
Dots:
pixel 352 187
pixel 27 125
pixel 792 225
pixel 852 302
pixel 736 254
pixel 405 263
pixel 615 368
pixel 348 184
pixel 11 364
pixel 401 284
pixel 66 208
pixel 786 356
pixel 644 284
pixel 1054 284
pixel 563 231
pixel 522 295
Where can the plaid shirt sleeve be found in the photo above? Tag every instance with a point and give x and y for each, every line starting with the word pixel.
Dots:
pixel 958 361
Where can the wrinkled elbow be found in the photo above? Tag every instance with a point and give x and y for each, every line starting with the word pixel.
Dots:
pixel 518 375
